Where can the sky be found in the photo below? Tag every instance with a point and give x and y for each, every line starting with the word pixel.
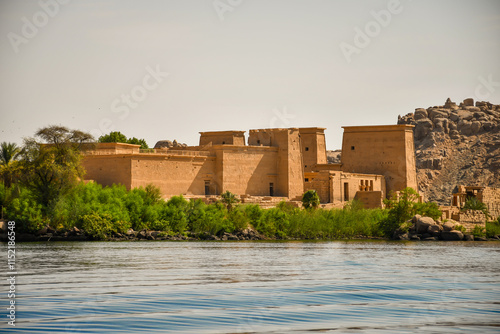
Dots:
pixel 168 69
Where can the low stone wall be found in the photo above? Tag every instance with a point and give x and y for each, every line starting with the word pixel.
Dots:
pixel 470 219
pixel 370 199
pixel 262 201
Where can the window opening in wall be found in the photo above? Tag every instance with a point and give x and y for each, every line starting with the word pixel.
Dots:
pixel 223 142
pixel 258 141
pixel 306 179
pixel 271 189
pixel 207 187
pixel 346 191
pixel 307 148
pixel 352 148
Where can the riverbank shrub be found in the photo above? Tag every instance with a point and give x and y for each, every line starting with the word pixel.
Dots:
pixel 101 225
pixel 403 208
pixel 101 211
pixel 493 228
pixel 478 231
pixel 24 209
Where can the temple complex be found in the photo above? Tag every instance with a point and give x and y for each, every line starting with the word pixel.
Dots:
pixel 271 164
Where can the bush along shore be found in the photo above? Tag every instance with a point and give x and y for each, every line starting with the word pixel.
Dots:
pixel 92 212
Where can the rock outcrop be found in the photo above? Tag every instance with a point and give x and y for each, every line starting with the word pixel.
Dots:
pixel 333 157
pixel 456 145
pixel 428 229
pixel 169 144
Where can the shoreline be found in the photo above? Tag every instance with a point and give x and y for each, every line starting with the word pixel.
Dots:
pixel 245 235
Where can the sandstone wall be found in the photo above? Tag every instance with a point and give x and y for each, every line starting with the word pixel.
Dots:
pixel 248 170
pixel 222 138
pixel 334 186
pixel 491 197
pixel 319 181
pixel 471 217
pixel 370 199
pixel 313 147
pixel 290 168
pixel 175 174
pixel 108 169
pixel 386 150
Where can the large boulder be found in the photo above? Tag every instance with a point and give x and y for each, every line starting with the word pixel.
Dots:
pixel 420 113
pixel 465 114
pixel 475 127
pixel 448 226
pixel 437 113
pixel 422 128
pixel 452 235
pixel 435 230
pixel 423 224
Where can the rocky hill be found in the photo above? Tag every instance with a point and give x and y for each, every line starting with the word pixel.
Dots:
pixel 454 144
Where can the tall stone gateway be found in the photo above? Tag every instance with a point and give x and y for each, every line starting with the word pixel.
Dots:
pixel 387 150
pixel 290 170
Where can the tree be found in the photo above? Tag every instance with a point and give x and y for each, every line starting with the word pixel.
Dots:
pixel 228 199
pixel 310 199
pixel 405 207
pixel 118 137
pixel 113 137
pixel 136 141
pixel 472 203
pixel 9 152
pixel 50 162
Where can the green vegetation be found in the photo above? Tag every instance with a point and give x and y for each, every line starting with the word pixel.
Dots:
pixel 478 232
pixel 229 199
pixel 310 199
pixel 493 228
pixel 9 152
pixel 472 203
pixel 118 137
pixel 403 208
pixel 50 163
pixel 460 228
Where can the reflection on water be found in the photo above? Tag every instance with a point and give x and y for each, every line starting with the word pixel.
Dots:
pixel 226 287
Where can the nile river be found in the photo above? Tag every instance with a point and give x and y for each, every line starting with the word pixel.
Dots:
pixel 256 287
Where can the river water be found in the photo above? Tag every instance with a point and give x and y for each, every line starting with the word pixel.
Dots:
pixel 256 287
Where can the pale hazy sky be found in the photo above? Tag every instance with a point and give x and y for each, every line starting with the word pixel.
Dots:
pixel 238 64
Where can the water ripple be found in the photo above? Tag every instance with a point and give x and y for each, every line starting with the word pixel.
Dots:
pixel 295 287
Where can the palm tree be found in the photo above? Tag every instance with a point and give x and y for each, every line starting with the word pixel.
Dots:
pixel 8 154
pixel 228 199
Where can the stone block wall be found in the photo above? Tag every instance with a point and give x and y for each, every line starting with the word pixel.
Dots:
pixel 491 197
pixel 370 199
pixel 384 150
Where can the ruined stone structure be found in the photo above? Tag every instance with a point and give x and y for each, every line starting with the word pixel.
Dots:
pixel 487 195
pixel 276 163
